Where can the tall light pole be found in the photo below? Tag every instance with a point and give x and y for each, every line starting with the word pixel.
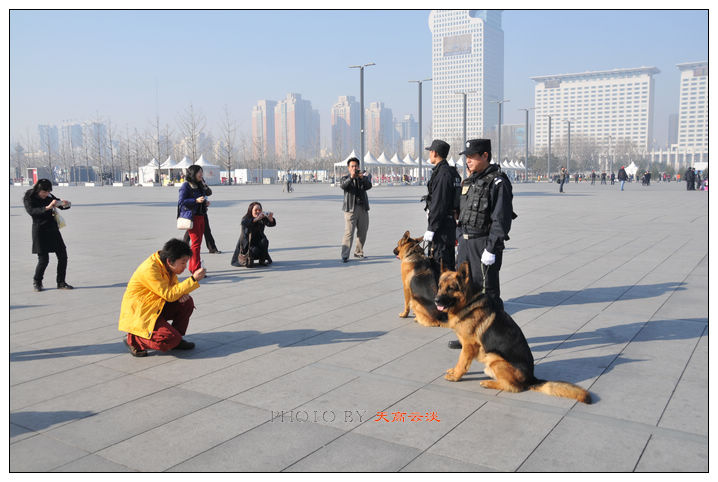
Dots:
pixel 421 146
pixel 610 158
pixel 361 106
pixel 465 93
pixel 548 162
pixel 526 163
pixel 500 103
pixel 568 155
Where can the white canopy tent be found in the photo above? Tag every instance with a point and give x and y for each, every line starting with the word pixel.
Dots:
pixel 632 169
pixel 210 172
pixel 170 164
pixel 184 163
pixel 147 173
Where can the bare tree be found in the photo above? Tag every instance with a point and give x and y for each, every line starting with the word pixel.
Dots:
pixel 191 124
pixel 111 148
pixel 228 133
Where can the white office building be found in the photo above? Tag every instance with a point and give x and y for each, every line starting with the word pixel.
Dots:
pixel 693 106
pixel 467 56
pixel 607 107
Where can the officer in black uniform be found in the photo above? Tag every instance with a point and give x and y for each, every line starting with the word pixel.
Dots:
pixel 485 216
pixel 442 203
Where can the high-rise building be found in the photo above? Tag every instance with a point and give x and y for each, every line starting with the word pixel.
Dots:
pixel 607 107
pixel 71 135
pixel 672 129
pixel 467 56
pixel 345 119
pixel 379 129
pixel 296 127
pixel 693 107
pixel 408 131
pixel 49 139
pixel 263 140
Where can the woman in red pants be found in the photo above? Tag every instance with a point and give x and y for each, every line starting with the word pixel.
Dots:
pixel 193 204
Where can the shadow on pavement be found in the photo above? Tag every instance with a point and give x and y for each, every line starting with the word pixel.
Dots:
pixel 34 421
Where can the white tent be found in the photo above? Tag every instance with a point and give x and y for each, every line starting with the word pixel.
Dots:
pixel 184 163
pixel 147 173
pixel 169 164
pixel 632 169
pixel 701 166
pixel 409 161
pixel 210 172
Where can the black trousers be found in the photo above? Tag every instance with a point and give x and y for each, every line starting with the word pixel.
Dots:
pixel 443 250
pixel 258 252
pixel 208 238
pixel 44 259
pixel 482 276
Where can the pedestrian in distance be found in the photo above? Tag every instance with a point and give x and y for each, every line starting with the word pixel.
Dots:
pixel 486 213
pixel 690 177
pixel 593 177
pixel 603 178
pixel 41 205
pixel 563 179
pixel 154 296
pixel 442 204
pixel 613 178
pixel 356 208
pixel 192 205
pixel 253 244
pixel 622 176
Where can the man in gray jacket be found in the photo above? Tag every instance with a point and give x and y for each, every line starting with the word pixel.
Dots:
pixel 356 208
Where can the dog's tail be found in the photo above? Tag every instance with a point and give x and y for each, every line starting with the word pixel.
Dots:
pixel 561 389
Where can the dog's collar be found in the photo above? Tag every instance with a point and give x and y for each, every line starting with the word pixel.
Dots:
pixel 469 306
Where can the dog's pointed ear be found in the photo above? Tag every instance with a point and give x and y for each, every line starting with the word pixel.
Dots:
pixel 406 235
pixel 465 273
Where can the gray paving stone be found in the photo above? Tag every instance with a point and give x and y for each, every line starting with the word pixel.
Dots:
pixel 174 442
pixel 356 453
pixel 271 447
pixel 41 454
pixel 92 463
pixel 428 462
pixel 666 454
pixel 571 447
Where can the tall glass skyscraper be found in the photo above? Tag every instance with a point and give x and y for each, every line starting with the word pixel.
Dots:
pixel 467 55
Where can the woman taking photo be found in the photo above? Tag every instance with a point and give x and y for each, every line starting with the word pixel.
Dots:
pixel 193 205
pixel 46 237
pixel 253 243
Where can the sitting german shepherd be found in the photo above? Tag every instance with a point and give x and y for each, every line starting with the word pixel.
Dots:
pixel 490 335
pixel 419 282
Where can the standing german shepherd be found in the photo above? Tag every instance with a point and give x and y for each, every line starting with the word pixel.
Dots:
pixel 419 282
pixel 490 335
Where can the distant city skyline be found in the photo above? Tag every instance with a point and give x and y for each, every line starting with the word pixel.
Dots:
pixel 140 64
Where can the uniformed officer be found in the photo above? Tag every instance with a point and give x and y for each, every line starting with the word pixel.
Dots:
pixel 485 216
pixel 442 202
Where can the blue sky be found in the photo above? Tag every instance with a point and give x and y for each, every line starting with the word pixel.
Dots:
pixel 128 65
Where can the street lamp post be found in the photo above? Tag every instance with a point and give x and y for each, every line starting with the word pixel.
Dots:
pixel 526 162
pixel 465 93
pixel 500 103
pixel 548 163
pixel 361 106
pixel 568 155
pixel 421 146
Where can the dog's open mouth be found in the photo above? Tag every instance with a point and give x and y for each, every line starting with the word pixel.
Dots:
pixel 440 307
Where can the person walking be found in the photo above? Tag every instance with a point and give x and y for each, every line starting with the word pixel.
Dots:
pixel 562 179
pixel 690 179
pixel 355 207
pixel 154 296
pixel 442 202
pixel 486 213
pixel 593 177
pixel 622 176
pixel 40 204
pixel 193 204
pixel 613 178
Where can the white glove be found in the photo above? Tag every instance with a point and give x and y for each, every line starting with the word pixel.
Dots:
pixel 428 236
pixel 487 258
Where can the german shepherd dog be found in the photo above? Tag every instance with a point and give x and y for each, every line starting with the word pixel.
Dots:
pixel 419 282
pixel 490 335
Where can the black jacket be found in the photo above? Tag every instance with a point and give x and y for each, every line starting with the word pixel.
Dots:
pixel 46 237
pixel 255 229
pixel 443 196
pixel 353 189
pixel 622 176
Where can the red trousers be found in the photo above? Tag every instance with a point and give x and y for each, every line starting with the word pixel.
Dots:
pixel 166 336
pixel 195 238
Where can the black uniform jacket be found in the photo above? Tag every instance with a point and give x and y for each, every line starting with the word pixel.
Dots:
pixel 46 236
pixel 500 208
pixel 442 194
pixel 256 230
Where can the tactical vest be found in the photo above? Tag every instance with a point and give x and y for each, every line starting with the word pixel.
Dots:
pixel 475 216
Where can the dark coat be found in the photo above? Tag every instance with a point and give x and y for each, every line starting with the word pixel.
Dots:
pixel 353 189
pixel 46 237
pixel 256 230
pixel 186 205
pixel 443 197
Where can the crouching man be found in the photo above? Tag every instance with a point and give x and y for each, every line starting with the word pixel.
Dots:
pixel 154 296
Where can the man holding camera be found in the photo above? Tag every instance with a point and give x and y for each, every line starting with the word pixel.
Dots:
pixel 356 208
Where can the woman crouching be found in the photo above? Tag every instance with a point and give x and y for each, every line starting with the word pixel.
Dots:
pixel 253 243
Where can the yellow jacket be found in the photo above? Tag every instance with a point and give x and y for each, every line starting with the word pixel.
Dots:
pixel 149 288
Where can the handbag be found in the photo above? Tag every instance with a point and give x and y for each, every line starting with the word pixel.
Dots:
pixel 184 224
pixel 59 219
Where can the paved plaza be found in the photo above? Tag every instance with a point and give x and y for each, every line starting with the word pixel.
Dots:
pixel 306 366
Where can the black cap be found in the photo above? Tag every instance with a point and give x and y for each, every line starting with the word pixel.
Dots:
pixel 440 147
pixel 477 146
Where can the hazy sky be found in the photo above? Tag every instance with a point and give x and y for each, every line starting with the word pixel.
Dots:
pixel 127 66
